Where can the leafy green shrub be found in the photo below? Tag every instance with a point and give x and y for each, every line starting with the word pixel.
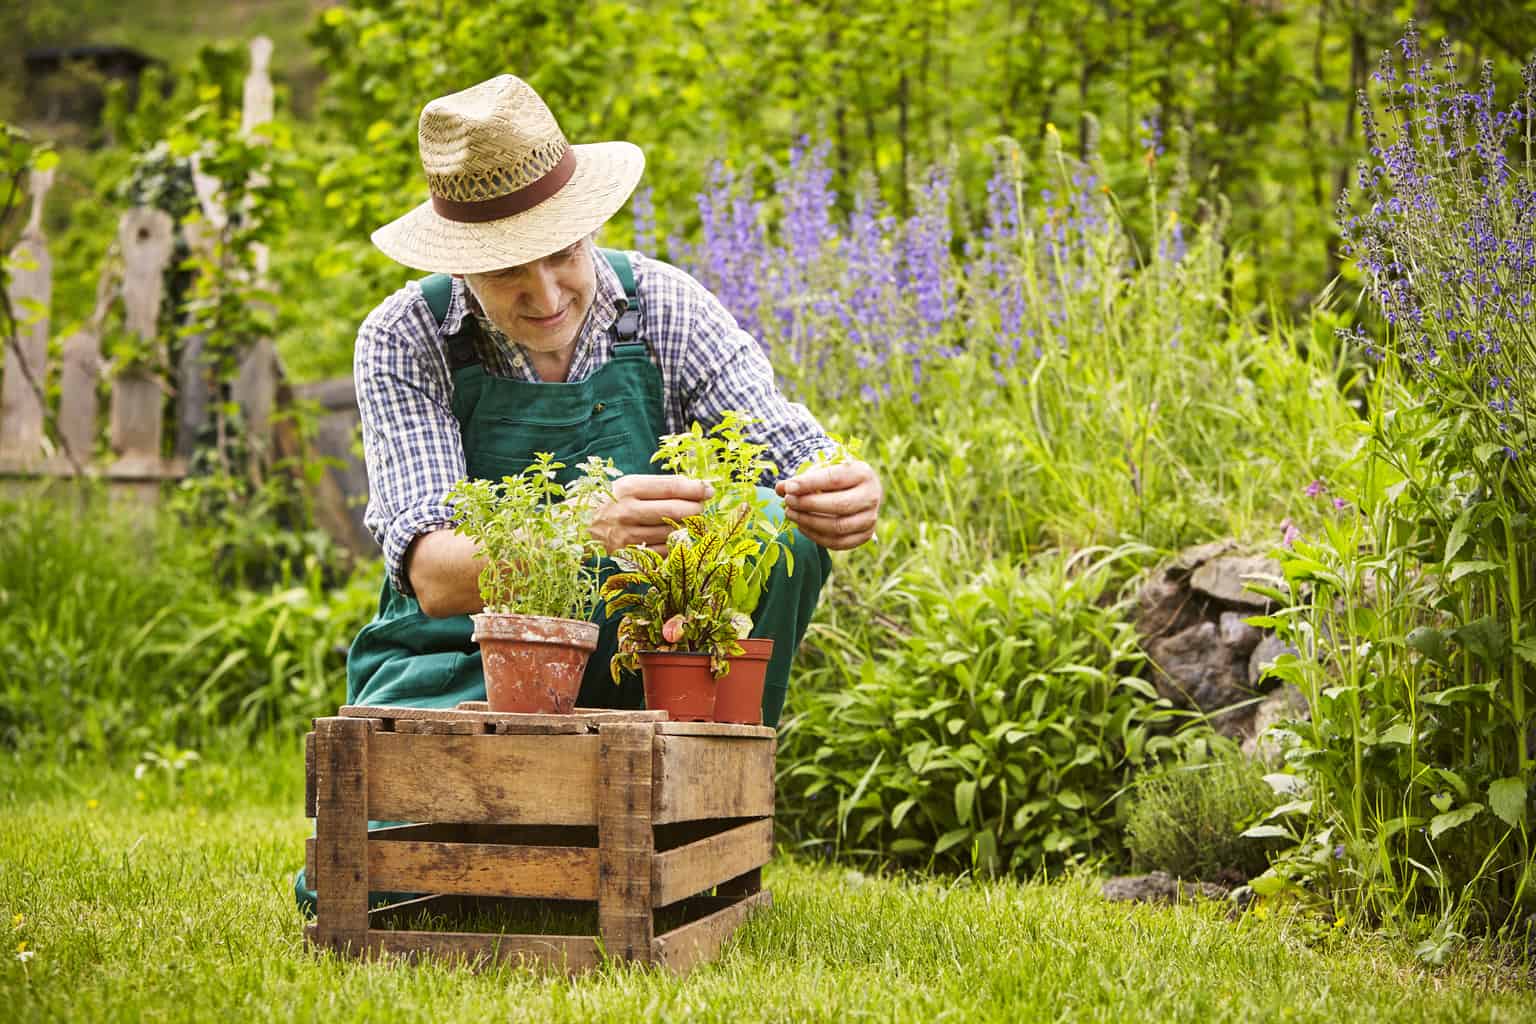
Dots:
pixel 1187 818
pixel 117 632
pixel 988 718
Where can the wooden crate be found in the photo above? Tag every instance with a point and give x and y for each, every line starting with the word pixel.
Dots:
pixel 624 810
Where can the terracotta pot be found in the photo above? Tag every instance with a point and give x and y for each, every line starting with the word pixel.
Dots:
pixel 678 683
pixel 739 693
pixel 533 664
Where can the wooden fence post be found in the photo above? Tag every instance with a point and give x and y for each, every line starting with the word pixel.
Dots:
pixel 22 441
pixel 137 395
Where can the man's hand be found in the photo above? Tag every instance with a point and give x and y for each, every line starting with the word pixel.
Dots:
pixel 835 506
pixel 642 505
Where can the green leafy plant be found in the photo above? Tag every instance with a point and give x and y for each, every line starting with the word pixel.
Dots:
pixel 533 532
pixel 681 601
pixel 1188 817
pixel 730 462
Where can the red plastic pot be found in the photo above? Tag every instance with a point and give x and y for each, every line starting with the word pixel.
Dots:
pixel 533 664
pixel 679 683
pixel 739 693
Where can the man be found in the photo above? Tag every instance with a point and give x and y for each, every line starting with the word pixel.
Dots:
pixel 540 342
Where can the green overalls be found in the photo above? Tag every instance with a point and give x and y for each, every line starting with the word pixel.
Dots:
pixel 403 657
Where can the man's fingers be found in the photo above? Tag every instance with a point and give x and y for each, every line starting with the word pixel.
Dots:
pixel 658 487
pixel 833 503
pixel 818 526
pixel 650 513
pixel 828 478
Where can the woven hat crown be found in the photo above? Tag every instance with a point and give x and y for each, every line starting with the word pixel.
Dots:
pixel 488 141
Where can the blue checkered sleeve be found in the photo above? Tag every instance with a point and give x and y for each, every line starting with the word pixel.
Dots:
pixel 411 440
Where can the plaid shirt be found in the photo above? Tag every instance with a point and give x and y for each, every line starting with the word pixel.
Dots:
pixel 412 442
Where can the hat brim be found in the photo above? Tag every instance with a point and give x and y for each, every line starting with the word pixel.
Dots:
pixel 605 176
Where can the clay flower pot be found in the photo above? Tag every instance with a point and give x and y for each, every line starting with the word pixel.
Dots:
pixel 739 693
pixel 533 664
pixel 679 683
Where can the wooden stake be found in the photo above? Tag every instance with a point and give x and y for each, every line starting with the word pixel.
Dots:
pixel 625 840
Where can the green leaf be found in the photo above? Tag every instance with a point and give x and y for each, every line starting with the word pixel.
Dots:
pixel 1458 535
pixel 46 161
pixel 1507 798
pixel 1400 734
pixel 1449 820
pixel 965 799
pixel 1266 832
pixel 951 838
pixel 1430 643
pixel 1269 884
pixel 900 813
pixel 1462 570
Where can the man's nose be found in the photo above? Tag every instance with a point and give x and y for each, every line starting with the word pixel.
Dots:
pixel 543 290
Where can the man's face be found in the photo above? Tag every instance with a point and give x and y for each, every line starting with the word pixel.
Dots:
pixel 540 305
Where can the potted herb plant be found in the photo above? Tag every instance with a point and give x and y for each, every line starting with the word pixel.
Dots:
pixel 539 581
pixel 733 465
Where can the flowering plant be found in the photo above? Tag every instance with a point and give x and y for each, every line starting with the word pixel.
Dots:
pixel 533 530
pixel 681 601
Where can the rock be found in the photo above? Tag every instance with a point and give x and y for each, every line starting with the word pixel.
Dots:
pixel 1264 655
pixel 1190 559
pixel 1238 635
pixel 1159 887
pixel 1224 579
pixel 1286 703
pixel 1162 606
pixel 1193 667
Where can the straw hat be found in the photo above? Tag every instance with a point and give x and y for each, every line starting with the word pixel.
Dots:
pixel 507 188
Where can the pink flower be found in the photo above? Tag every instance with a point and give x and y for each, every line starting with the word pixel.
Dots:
pixel 1315 488
pixel 672 629
pixel 1289 532
pixel 1340 503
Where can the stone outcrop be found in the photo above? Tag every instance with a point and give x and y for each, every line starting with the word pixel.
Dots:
pixel 1190 617
pixel 1159 887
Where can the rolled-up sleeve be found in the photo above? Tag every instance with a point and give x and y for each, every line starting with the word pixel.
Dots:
pixel 411 440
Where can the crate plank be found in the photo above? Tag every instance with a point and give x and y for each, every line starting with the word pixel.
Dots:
pixel 483 869
pixel 702 865
pixel 309 775
pixel 682 949
pixel 759 732
pixel 626 843
pixel 341 827
pixel 432 727
pixel 712 777
pixel 547 780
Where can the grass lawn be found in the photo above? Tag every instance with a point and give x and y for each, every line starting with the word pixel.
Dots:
pixel 166 898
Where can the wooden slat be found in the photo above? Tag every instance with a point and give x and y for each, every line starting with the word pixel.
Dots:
pixel 527 725
pixel 712 777
pixel 433 727
pixel 192 394
pixel 703 865
pixel 479 869
pixel 341 828
pixel 570 953
pixel 26 361
pixel 625 840
pixel 683 948
pixel 550 780
pixel 145 237
pixel 309 775
pixel 255 390
pixel 761 732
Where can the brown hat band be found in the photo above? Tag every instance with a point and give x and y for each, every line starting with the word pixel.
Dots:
pixel 526 198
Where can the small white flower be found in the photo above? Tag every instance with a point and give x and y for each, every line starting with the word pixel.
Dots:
pixel 25 955
pixel 140 769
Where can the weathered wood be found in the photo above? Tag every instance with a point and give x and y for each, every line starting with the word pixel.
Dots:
pixel 514 779
pixel 256 101
pixel 712 777
pixel 309 775
pixel 437 727
pixel 625 839
pixel 192 393
pixel 506 723
pixel 79 409
pixel 26 360
pixel 145 238
pixel 341 829
pixel 482 869
pixel 255 391
pixel 702 865
pixel 682 949
pixel 761 732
